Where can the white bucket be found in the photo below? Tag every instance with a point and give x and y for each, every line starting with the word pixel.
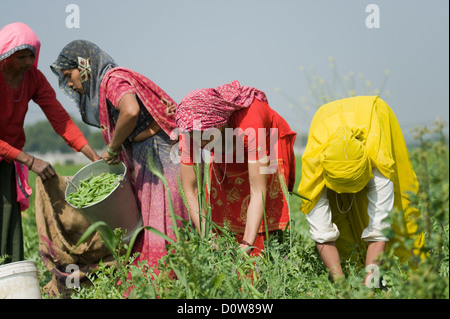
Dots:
pixel 18 280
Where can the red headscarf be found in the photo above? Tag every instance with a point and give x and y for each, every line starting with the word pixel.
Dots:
pixel 207 108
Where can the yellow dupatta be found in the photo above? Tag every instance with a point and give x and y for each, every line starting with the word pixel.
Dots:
pixel 387 151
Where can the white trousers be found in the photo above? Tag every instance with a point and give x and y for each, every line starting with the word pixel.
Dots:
pixel 380 193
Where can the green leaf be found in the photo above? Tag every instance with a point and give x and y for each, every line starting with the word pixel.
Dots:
pixel 217 281
pixel 105 232
pixel 151 229
pixel 298 195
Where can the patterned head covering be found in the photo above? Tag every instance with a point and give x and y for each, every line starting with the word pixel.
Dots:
pixel 346 164
pixel 93 64
pixel 18 36
pixel 211 108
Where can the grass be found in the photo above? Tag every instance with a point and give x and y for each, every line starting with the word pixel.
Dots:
pixel 291 267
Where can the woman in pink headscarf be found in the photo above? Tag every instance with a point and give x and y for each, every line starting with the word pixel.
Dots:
pixel 20 82
pixel 252 160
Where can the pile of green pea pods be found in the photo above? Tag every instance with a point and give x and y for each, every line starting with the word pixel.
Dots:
pixel 94 189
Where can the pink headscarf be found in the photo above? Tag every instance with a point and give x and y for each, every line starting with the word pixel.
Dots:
pixel 213 107
pixel 18 36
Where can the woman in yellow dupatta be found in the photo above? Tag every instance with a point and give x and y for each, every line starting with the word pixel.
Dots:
pixel 356 171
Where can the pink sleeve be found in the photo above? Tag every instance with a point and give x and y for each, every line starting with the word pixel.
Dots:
pixel 117 88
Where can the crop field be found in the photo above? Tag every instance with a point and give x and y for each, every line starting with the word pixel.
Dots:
pixel 290 267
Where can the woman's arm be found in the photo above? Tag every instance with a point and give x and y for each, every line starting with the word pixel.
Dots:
pixel 189 183
pixel 90 153
pixel 128 114
pixel 255 211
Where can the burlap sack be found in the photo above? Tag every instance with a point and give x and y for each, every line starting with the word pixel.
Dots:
pixel 60 226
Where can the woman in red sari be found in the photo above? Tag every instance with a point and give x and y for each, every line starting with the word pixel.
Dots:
pixel 246 175
pixel 20 82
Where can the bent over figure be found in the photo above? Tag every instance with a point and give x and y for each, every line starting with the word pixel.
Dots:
pixel 136 118
pixel 252 156
pixel 356 170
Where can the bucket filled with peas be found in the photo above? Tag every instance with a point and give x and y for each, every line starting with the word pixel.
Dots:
pixel 102 192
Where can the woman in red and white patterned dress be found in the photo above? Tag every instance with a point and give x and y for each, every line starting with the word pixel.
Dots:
pixel 257 165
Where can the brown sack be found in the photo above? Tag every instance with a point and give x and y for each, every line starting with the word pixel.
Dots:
pixel 60 226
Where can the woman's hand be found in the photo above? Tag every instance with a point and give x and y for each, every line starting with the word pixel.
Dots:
pixel 111 157
pixel 246 247
pixel 42 168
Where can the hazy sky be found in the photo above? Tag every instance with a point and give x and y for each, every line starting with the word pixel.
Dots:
pixel 183 45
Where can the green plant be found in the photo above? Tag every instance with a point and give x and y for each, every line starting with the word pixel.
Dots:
pixel 2 259
pixel 207 267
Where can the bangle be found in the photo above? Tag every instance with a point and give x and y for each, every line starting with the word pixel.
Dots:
pixel 111 152
pixel 32 162
pixel 246 243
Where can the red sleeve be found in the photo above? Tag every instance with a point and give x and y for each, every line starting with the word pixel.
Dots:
pixel 190 150
pixel 7 152
pixel 185 154
pixel 58 117
pixel 254 124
